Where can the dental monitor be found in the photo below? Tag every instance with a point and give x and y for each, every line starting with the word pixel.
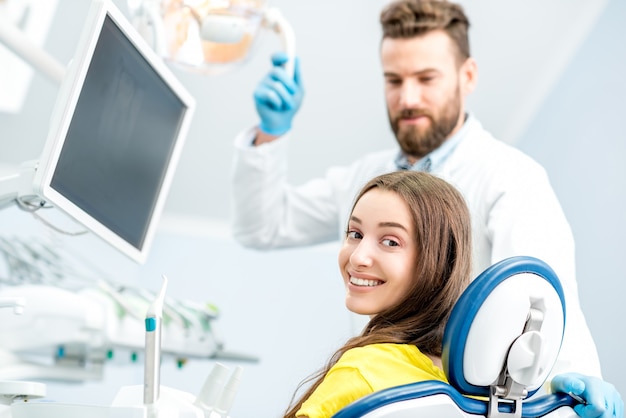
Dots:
pixel 116 134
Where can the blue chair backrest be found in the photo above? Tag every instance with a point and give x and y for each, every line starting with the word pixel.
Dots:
pixel 500 343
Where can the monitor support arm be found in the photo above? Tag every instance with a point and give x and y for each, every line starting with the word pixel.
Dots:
pixel 16 181
pixel 16 41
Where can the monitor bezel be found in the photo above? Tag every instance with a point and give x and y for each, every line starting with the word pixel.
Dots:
pixel 65 105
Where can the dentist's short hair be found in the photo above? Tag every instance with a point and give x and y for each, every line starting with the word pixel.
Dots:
pixel 411 18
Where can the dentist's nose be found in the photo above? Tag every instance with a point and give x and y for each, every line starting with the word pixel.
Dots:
pixel 410 95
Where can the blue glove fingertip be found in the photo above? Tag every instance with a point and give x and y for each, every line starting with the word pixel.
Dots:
pixel 296 72
pixel 279 58
pixel 577 386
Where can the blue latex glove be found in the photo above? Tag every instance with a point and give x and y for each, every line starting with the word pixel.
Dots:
pixel 601 398
pixel 278 97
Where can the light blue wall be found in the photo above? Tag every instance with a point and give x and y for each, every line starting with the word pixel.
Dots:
pixel 284 307
pixel 578 135
pixel 287 306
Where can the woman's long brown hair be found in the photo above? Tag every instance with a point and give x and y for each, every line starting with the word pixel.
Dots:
pixel 443 237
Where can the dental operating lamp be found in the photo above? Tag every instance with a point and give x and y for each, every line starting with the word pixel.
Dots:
pixel 204 36
pixel 209 36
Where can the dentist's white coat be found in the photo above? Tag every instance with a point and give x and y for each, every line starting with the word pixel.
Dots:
pixel 513 206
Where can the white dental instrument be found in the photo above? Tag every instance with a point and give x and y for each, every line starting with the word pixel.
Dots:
pixel 153 347
pixel 212 388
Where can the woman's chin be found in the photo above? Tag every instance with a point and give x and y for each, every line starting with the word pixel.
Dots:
pixel 359 309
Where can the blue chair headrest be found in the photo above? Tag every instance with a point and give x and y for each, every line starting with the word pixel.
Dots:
pixel 512 318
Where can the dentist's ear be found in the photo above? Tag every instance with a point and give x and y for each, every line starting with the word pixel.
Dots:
pixel 468 76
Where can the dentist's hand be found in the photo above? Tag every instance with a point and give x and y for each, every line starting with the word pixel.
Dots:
pixel 278 97
pixel 601 398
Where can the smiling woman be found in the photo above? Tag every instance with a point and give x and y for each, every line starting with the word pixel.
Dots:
pixel 405 260
pixel 379 254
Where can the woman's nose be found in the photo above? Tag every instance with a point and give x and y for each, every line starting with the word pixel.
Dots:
pixel 362 254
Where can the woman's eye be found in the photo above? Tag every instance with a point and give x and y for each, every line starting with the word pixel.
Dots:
pixel 390 243
pixel 354 235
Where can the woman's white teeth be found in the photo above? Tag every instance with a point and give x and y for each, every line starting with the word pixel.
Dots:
pixel 363 282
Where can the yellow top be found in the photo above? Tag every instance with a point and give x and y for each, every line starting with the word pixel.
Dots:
pixel 364 370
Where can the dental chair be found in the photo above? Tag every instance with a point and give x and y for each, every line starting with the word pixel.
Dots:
pixel 499 346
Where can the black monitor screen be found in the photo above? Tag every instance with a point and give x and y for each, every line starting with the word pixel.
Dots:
pixel 120 139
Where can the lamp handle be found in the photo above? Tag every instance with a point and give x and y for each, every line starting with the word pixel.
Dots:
pixel 274 20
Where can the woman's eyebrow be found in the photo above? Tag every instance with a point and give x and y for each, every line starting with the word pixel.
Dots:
pixel 393 225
